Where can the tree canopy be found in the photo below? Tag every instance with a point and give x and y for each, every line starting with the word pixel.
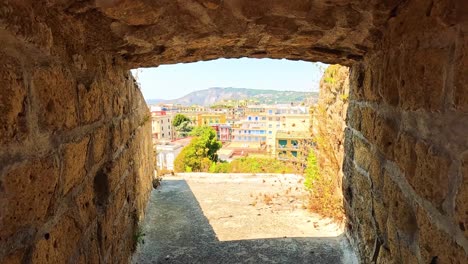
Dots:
pixel 179 119
pixel 199 154
pixel 182 125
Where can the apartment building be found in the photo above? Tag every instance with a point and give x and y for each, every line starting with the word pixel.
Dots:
pixel 208 119
pixel 191 109
pixel 292 145
pixel 224 133
pixel 250 129
pixel 161 124
pixel 285 118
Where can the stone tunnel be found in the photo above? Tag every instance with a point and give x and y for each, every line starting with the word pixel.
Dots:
pixel 76 161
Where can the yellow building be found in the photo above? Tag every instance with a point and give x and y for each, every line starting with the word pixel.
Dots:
pixel 210 119
pixel 292 145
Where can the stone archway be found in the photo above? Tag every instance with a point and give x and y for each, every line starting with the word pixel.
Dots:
pixel 75 166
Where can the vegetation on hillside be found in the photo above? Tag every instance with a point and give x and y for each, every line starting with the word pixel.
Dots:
pixel 216 95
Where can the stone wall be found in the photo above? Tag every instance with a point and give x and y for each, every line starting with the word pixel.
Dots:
pixel 329 123
pixel 406 146
pixel 75 152
pixel 76 158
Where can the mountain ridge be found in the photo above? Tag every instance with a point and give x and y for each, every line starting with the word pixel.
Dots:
pixel 213 95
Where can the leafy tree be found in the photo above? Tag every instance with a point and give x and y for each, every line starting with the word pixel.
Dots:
pixel 182 125
pixel 199 154
pixel 179 119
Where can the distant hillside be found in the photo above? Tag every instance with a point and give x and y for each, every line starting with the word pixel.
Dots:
pixel 211 96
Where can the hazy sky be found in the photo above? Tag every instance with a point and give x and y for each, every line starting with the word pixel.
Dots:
pixel 174 81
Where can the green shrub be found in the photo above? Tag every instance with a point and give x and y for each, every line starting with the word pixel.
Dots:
pixel 312 171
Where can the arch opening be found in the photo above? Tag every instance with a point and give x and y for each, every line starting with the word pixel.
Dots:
pixel 71 109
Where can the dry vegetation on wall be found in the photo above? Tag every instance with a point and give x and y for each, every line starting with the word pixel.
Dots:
pixel 324 173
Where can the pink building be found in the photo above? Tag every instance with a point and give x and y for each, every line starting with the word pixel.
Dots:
pixel 224 133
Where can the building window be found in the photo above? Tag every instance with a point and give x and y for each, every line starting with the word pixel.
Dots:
pixel 270 112
pixel 270 125
pixel 269 132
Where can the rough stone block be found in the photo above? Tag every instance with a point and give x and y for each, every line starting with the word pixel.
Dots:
pixel 59 244
pixel 89 247
pixel 407 254
pixel 100 144
pixel 385 135
pixel 367 235
pixel 13 101
pixel 460 76
pixel 362 153
pixel 431 173
pixel 362 194
pixel 393 243
pixel 371 84
pixel 405 155
pixel 85 204
pixel 107 90
pixel 114 173
pixel 376 175
pixel 74 163
pixel 400 210
pixel 435 245
pixel 368 117
pixel 380 216
pixel 55 91
pixel 89 102
pixel 353 116
pixel 356 80
pixel 27 189
pixel 385 257
pixel 461 201
pixel 424 76
pixel 117 138
pixel 14 258
pixel 390 73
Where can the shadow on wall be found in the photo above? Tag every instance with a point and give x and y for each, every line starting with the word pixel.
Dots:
pixel 177 231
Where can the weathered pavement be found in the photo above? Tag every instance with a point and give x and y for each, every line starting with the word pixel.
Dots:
pixel 232 218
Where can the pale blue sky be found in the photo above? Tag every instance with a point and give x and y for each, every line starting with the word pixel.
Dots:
pixel 174 81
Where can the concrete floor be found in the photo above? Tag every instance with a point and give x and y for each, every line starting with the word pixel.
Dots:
pixel 237 218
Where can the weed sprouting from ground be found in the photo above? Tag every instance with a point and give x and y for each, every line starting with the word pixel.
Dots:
pixel 139 236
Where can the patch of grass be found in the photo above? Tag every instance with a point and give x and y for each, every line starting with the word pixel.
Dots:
pixel 253 165
pixel 139 236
